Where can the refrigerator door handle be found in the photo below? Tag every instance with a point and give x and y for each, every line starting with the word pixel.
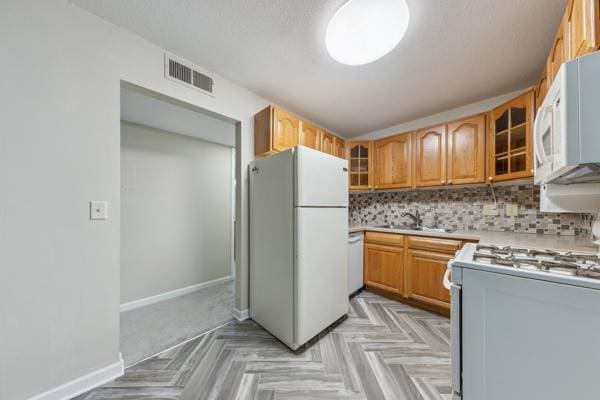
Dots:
pixel 455 313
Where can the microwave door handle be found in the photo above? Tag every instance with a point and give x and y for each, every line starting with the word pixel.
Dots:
pixel 537 140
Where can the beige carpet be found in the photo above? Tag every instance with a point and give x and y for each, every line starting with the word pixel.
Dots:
pixel 149 330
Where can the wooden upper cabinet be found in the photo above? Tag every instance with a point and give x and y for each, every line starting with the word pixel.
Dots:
pixel 577 35
pixel 393 166
pixel 263 132
pixel 541 88
pixel 360 159
pixel 339 146
pixel 430 153
pixel 384 267
pixel 558 52
pixel 274 131
pixel 327 143
pixel 582 30
pixel 510 141
pixel 309 136
pixel 466 150
pixel 285 130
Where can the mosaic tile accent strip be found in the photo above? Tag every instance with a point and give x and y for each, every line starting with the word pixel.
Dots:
pixel 462 209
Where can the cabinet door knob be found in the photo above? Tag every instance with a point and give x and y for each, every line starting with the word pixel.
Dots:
pixel 443 181
pixel 450 181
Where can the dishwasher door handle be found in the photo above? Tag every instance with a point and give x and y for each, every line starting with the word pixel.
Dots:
pixel 355 238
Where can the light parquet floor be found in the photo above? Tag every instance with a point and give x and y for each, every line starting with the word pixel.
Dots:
pixel 383 350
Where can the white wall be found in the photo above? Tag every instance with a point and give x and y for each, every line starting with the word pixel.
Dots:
pixel 175 211
pixel 149 111
pixel 446 116
pixel 60 81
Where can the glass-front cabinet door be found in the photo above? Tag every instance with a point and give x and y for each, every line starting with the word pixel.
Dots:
pixel 360 162
pixel 511 141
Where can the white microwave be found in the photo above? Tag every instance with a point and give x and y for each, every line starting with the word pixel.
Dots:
pixel 567 125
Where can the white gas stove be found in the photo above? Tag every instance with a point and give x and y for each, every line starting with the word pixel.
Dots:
pixel 550 261
pixel 523 321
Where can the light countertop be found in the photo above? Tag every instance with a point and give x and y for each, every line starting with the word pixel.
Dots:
pixel 523 240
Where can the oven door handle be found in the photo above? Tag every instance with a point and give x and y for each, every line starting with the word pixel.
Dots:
pixel 446 281
pixel 455 332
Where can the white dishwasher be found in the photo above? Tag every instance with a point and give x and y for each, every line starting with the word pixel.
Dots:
pixel 355 262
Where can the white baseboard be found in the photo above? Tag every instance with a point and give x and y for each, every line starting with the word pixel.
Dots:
pixel 84 383
pixel 241 315
pixel 169 295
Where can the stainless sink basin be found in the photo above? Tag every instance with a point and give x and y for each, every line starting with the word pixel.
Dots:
pixel 404 227
pixel 414 228
pixel 438 230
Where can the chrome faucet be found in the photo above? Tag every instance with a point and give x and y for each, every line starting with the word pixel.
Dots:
pixel 416 217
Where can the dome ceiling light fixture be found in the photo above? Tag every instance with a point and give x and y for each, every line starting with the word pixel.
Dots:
pixel 362 31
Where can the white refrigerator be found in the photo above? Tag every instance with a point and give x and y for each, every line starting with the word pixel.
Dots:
pixel 298 243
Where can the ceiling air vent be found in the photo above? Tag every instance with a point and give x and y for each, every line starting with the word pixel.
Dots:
pixel 187 74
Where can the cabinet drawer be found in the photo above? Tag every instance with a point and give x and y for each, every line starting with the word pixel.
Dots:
pixel 384 238
pixel 435 244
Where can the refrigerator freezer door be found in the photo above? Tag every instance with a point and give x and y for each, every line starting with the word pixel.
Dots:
pixel 321 179
pixel 321 269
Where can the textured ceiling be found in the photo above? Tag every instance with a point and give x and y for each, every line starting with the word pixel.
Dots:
pixel 455 52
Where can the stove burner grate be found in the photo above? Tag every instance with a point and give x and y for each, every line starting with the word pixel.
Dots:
pixel 583 265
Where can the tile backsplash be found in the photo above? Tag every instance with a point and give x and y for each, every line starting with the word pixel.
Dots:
pixel 463 209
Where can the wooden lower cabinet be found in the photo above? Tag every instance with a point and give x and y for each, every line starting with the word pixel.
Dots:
pixel 424 274
pixel 409 269
pixel 384 267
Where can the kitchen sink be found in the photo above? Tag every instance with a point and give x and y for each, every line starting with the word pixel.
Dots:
pixel 438 230
pixel 414 228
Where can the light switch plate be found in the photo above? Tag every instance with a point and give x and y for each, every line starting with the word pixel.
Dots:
pixel 489 209
pixel 512 210
pixel 98 210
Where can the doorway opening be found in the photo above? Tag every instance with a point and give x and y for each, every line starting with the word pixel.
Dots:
pixel 177 223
